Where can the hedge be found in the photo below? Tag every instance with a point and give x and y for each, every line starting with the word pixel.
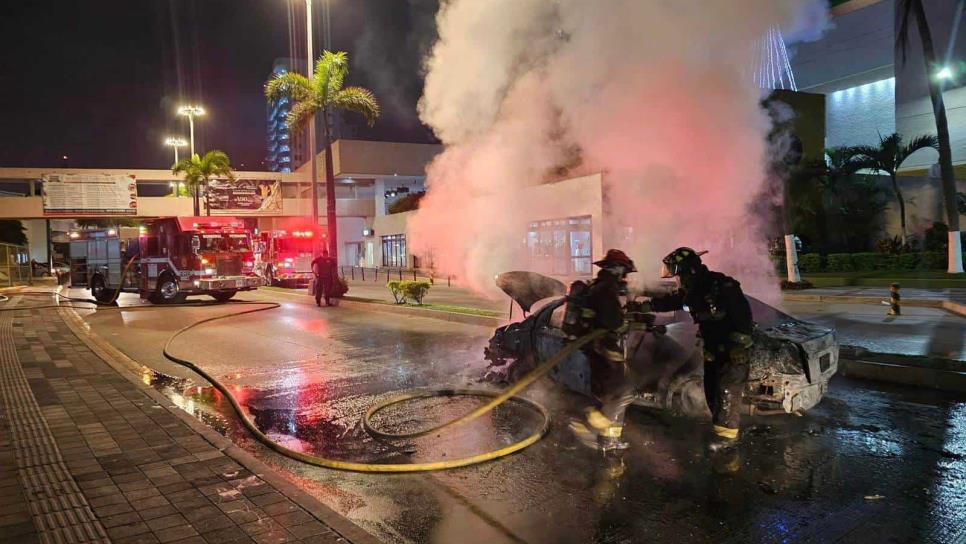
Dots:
pixel 866 262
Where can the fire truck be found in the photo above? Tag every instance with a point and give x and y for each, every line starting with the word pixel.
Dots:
pixel 170 259
pixel 284 256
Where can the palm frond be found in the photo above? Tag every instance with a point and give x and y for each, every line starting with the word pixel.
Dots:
pixel 291 85
pixel 298 117
pixel 359 100
pixel 330 72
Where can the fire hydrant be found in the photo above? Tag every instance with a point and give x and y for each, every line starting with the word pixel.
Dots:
pixel 894 299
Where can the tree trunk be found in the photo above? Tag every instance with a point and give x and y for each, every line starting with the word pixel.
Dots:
pixel 902 208
pixel 194 200
pixel 946 172
pixel 330 218
pixel 207 201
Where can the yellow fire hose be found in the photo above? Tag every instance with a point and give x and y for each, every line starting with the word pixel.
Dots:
pixel 496 399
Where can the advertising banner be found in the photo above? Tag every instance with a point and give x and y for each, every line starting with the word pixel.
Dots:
pixel 90 194
pixel 245 196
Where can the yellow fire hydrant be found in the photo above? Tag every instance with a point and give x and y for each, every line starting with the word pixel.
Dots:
pixel 894 299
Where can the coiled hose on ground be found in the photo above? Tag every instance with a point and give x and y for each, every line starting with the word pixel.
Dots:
pixel 496 399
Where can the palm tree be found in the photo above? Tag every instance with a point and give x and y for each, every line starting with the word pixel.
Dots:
pixel 323 94
pixel 198 171
pixel 905 11
pixel 888 157
pixel 834 169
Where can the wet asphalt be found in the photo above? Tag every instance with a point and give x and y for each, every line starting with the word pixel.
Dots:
pixel 872 463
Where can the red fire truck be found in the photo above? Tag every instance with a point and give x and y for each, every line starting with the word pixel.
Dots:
pixel 170 259
pixel 284 256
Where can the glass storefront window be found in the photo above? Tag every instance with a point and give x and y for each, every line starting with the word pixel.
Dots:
pixel 561 247
pixel 394 250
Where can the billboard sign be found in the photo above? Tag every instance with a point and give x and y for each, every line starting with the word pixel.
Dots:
pixel 90 194
pixel 245 196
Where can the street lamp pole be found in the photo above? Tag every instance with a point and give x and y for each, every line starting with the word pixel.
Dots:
pixel 314 192
pixel 190 112
pixel 175 143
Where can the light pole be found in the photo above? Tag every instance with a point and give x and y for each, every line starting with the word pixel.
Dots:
pixel 190 112
pixel 314 192
pixel 175 143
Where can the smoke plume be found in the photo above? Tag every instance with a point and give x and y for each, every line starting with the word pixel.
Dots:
pixel 657 95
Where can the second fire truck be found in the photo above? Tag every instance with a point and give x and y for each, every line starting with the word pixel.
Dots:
pixel 284 256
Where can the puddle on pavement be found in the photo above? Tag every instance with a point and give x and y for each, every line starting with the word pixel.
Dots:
pixel 306 420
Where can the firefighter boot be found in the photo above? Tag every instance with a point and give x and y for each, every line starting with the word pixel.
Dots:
pixel 724 439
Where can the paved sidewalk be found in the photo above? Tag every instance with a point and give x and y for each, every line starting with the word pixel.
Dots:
pixel 87 455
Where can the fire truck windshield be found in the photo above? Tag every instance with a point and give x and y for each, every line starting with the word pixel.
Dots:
pixel 213 242
pixel 239 242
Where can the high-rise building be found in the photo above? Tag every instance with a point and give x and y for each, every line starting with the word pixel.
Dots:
pixel 286 149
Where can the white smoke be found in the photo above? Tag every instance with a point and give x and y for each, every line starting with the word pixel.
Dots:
pixel 658 95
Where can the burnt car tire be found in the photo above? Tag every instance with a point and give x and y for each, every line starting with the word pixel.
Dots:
pixel 99 290
pixel 167 291
pixel 223 296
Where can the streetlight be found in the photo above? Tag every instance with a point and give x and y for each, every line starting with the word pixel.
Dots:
pixel 190 112
pixel 175 143
pixel 314 193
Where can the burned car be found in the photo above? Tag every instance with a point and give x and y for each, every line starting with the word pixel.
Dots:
pixel 791 362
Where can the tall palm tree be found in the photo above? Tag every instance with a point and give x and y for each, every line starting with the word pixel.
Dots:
pixel 198 171
pixel 887 158
pixel 906 10
pixel 323 94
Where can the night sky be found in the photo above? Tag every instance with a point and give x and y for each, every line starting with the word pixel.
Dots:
pixel 101 80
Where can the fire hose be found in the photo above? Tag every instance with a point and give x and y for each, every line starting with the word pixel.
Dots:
pixel 496 399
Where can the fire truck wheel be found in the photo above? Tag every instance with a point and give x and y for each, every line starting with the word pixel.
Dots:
pixel 223 296
pixel 167 291
pixel 99 289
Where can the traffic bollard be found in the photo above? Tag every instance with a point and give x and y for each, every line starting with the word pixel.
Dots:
pixel 894 299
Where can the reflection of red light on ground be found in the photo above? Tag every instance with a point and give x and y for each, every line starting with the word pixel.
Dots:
pixel 313 325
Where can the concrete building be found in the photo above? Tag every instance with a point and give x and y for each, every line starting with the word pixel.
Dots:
pixel 870 90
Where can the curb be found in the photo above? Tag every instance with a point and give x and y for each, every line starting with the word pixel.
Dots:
pixel 363 304
pixel 129 368
pixel 932 378
pixel 944 304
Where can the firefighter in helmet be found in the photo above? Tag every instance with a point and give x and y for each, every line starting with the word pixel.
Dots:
pixel 723 316
pixel 601 308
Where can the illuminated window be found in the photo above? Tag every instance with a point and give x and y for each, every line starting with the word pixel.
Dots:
pixel 561 247
pixel 394 250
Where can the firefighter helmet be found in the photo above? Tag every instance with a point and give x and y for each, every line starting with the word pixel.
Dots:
pixel 682 259
pixel 616 257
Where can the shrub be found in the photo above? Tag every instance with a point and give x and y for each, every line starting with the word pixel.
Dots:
pixel 396 290
pixel 839 262
pixel 867 261
pixel 810 262
pixel 408 290
pixel 907 261
pixel 936 237
pixel 796 286
pixel 779 262
pixel 933 260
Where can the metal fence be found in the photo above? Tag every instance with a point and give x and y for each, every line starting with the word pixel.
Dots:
pixel 385 274
pixel 14 265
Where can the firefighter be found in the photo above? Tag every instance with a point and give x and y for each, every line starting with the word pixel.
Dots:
pixel 324 268
pixel 601 309
pixel 723 315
